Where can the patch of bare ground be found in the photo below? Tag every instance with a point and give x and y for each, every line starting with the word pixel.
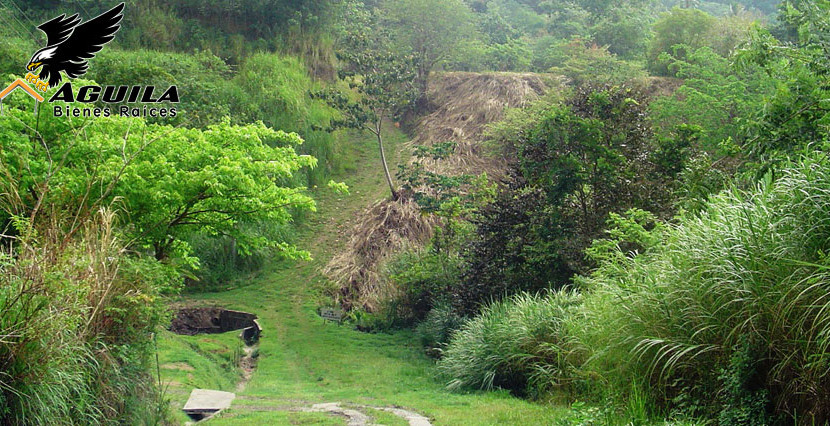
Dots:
pixel 177 366
pixel 247 364
pixel 354 414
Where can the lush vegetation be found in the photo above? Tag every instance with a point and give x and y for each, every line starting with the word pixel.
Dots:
pixel 643 251
pixel 649 243
pixel 97 215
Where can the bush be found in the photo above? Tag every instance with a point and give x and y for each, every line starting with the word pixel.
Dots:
pixel 593 65
pixel 520 344
pixel 593 155
pixel 734 303
pixel 514 55
pixel 437 328
pixel 419 278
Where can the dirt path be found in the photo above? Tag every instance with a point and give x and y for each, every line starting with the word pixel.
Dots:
pixel 248 365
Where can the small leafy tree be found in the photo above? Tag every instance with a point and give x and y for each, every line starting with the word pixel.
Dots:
pixel 383 81
pixel 430 29
pixel 687 27
pixel 591 156
pixel 431 189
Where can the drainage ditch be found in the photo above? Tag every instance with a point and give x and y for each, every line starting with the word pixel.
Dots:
pixel 210 320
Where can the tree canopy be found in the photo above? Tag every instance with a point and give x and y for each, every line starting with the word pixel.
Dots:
pixel 171 182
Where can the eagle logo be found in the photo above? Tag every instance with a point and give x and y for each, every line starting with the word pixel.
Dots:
pixel 70 46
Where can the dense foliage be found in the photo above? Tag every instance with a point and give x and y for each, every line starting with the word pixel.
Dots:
pixel 593 155
pixel 97 216
pixel 233 30
pixel 714 314
pixel 730 302
pixel 172 181
pixel 656 240
pixel 519 344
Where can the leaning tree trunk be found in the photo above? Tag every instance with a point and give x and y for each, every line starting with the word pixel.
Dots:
pixel 383 161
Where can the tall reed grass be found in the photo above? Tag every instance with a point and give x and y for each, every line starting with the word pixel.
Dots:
pixel 519 343
pixel 725 315
pixel 76 313
pixel 734 305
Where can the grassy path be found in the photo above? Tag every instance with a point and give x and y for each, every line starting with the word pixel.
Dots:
pixel 303 360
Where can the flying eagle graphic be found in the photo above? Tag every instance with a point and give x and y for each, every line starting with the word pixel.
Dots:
pixel 69 46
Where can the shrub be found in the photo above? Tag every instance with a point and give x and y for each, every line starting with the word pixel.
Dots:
pixel 514 55
pixel 594 155
pixel 420 279
pixel 592 65
pixel 520 344
pixel 437 328
pixel 734 302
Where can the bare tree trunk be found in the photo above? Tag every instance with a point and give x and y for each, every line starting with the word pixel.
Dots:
pixel 383 160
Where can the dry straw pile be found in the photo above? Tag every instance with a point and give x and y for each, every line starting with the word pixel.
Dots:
pixel 382 229
pixel 462 105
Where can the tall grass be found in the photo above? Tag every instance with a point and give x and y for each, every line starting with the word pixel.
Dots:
pixel 222 263
pixel 519 343
pixel 733 306
pixel 725 316
pixel 275 90
pixel 74 324
pixel 76 312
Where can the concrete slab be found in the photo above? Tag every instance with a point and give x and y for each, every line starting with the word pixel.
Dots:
pixel 204 402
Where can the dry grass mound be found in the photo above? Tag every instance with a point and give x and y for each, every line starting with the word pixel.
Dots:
pixel 463 105
pixel 381 230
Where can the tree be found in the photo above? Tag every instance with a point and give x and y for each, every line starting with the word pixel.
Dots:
pixel 795 117
pixel 430 29
pixel 384 82
pixel 582 160
pixel 687 27
pixel 171 182
pixel 624 30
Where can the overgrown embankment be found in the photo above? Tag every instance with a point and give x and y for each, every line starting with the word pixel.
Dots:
pixel 303 360
pixel 462 105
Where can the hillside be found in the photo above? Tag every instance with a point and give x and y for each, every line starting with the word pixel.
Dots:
pixel 303 360
pixel 423 212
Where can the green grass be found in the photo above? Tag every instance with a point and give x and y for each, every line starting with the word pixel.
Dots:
pixel 519 343
pixel 239 416
pixel 304 360
pixel 206 361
